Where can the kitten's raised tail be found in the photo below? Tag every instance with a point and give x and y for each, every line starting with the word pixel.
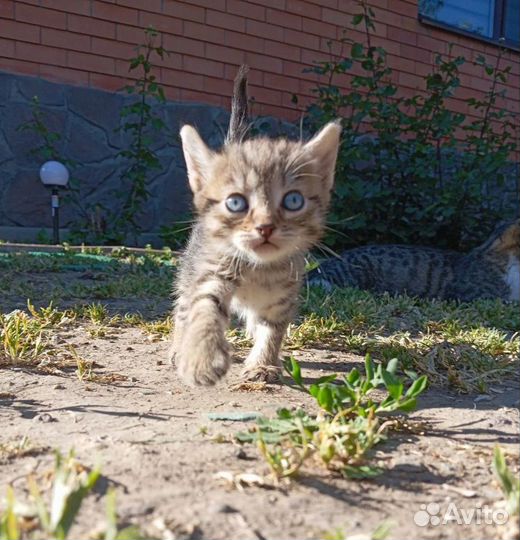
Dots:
pixel 239 120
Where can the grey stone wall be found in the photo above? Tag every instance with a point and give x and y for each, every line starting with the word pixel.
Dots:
pixel 87 120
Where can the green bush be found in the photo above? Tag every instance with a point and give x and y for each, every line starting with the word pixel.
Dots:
pixel 140 123
pixel 410 170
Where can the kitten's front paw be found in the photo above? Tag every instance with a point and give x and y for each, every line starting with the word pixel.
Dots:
pixel 198 368
pixel 268 374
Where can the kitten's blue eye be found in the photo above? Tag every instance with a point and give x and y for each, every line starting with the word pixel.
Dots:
pixel 236 203
pixel 293 201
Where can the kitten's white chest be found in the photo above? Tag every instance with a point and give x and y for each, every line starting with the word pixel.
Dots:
pixel 265 294
pixel 251 296
pixel 512 278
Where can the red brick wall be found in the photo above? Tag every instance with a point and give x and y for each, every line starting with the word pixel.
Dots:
pixel 87 42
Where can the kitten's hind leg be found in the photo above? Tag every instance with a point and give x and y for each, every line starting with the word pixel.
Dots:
pixel 263 363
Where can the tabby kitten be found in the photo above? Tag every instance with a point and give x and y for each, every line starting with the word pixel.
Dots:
pixel 260 204
pixel 491 270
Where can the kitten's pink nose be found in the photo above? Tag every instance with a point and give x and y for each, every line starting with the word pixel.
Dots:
pixel 265 230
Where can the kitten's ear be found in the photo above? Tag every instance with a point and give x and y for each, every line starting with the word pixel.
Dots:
pixel 323 148
pixel 198 157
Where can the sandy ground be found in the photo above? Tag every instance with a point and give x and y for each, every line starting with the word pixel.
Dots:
pixel 148 433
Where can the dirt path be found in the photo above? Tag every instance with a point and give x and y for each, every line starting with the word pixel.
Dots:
pixel 148 433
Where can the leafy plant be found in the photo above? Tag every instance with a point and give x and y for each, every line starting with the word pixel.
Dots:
pixel 509 482
pixel 465 346
pixel 47 150
pixel 21 447
pixel 9 529
pixel 379 533
pixel 140 122
pixel 22 338
pixel 351 395
pixel 50 317
pixel 410 169
pixel 26 339
pixel 347 427
pixel 72 483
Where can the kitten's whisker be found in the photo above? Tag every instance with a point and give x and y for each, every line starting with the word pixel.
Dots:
pixel 306 174
pixel 337 231
pixel 300 166
pixel 326 249
pixel 289 164
pixel 293 166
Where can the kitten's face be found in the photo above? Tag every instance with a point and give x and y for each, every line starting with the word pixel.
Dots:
pixel 266 207
pixel 264 199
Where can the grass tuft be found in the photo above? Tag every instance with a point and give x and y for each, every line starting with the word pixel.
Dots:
pixel 53 515
pixel 350 422
pixel 466 346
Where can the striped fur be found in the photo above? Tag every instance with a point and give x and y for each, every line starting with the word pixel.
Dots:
pixel 228 265
pixel 239 120
pixel 489 271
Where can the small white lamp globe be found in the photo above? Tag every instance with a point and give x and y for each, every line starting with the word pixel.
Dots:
pixel 54 174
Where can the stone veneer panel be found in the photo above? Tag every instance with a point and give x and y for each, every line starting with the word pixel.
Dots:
pixel 87 120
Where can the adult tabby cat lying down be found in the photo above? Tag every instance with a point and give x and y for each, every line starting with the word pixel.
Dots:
pixel 491 270
pixel 261 204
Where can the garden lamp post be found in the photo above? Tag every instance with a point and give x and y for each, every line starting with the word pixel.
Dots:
pixel 54 175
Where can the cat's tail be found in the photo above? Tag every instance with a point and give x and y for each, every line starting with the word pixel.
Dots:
pixel 505 238
pixel 510 237
pixel 239 120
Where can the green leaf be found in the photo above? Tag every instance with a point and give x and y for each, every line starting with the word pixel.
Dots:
pixel 369 367
pixel 381 531
pixel 356 50
pixel 407 405
pixel 392 384
pixel 9 522
pixel 353 376
pixel 324 397
pixel 72 504
pixel 326 379
pixel 502 472
pixel 417 387
pixel 362 471
pixel 357 19
pixel 111 515
pixel 411 374
pixel 132 532
pixel 392 366
pixel 284 414
pixel 293 368
pixel 314 390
